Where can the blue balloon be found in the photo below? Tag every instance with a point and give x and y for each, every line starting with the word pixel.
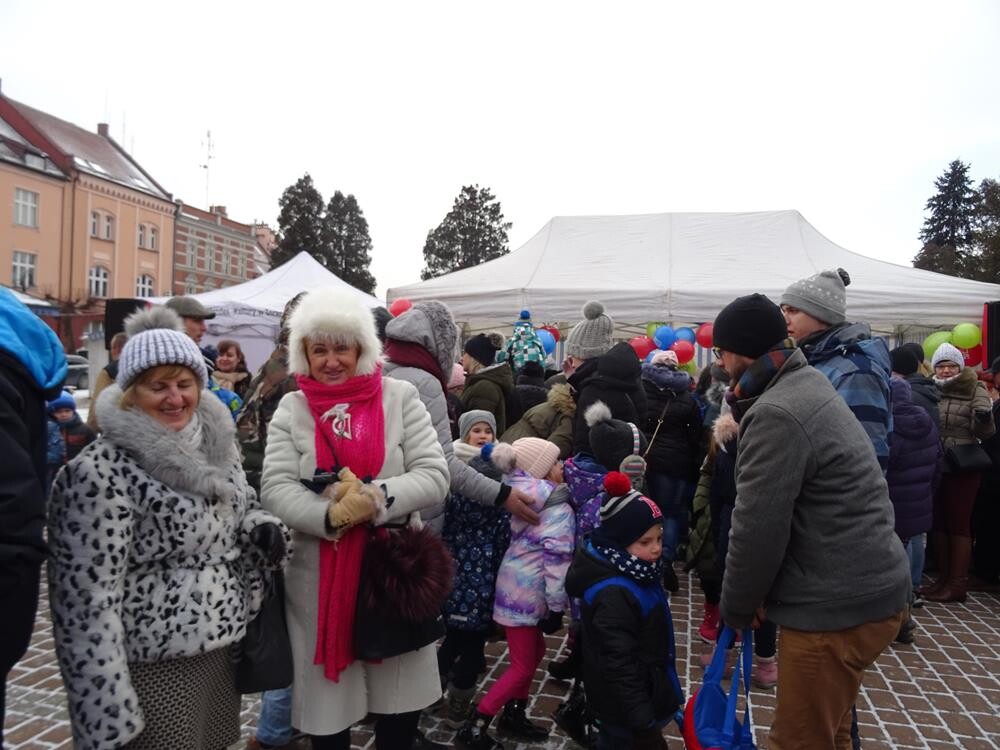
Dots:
pixel 664 337
pixel 686 334
pixel 547 339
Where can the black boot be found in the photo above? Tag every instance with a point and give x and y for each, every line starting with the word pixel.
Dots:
pixel 474 735
pixel 514 721
pixel 573 717
pixel 568 668
pixel 670 581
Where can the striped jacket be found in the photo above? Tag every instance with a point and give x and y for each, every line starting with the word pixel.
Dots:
pixel 858 367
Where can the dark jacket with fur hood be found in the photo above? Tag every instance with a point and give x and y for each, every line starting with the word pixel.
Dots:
pixel 151 556
pixel 676 448
pixel 614 379
pixel 552 421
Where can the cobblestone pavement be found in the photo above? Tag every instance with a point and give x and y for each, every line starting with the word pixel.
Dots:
pixel 941 692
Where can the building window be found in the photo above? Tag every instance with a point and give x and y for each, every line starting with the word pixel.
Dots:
pixel 25 208
pixel 243 266
pixel 109 227
pixel 190 287
pixel 192 252
pixel 95 223
pixel 144 286
pixel 210 257
pixel 142 235
pixel 94 330
pixel 209 285
pixel 24 270
pixel 152 238
pixel 227 265
pixel 98 280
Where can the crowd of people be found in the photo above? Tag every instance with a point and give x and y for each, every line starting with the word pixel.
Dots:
pixel 797 475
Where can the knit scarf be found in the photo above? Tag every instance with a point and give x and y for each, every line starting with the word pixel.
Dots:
pixel 409 354
pixel 630 565
pixel 350 432
pixel 758 376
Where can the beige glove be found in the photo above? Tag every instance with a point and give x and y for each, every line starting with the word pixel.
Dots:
pixel 350 505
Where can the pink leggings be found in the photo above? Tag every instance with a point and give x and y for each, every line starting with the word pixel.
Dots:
pixel 527 648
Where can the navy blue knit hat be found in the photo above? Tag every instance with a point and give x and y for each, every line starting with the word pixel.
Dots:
pixel 626 514
pixel 65 401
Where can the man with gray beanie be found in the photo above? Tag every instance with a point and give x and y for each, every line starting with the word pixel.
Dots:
pixel 857 365
pixel 812 545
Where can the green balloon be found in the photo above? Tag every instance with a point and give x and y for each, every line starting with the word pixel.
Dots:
pixel 651 328
pixel 932 342
pixel 689 367
pixel 966 335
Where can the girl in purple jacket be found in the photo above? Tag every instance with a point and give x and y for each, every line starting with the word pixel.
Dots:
pixel 530 595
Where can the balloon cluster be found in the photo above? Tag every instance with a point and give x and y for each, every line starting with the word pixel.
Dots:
pixel 681 341
pixel 966 336
pixel 549 336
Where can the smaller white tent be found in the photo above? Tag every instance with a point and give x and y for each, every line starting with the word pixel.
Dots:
pixel 250 312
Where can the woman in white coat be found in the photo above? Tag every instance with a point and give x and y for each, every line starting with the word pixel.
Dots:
pixel 346 415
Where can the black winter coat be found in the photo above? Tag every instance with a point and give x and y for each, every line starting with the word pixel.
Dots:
pixel 23 440
pixel 926 395
pixel 628 644
pixel 614 379
pixel 677 448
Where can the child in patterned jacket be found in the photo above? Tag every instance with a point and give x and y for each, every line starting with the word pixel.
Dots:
pixel 530 594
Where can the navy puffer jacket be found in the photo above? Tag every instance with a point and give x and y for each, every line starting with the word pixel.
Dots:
pixel 914 462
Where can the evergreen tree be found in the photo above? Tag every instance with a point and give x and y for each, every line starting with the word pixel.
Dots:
pixel 473 232
pixel 952 209
pixel 300 223
pixel 345 235
pixel 939 258
pixel 986 233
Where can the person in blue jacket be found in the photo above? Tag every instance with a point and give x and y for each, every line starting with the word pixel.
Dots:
pixel 32 371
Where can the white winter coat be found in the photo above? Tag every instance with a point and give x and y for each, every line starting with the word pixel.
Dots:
pixel 414 477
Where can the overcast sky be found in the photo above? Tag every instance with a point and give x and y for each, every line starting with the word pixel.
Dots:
pixel 562 108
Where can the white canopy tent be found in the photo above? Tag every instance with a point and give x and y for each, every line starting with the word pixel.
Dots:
pixel 683 268
pixel 250 312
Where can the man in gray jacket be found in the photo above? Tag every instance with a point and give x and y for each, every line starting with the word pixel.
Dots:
pixel 812 545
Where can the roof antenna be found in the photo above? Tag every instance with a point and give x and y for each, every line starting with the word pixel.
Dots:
pixel 207 144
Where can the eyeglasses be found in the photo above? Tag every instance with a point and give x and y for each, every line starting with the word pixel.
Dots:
pixel 717 352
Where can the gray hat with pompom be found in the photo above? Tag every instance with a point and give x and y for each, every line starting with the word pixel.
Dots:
pixel 156 337
pixel 591 337
pixel 824 296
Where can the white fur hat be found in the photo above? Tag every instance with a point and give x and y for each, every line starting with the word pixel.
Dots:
pixel 332 314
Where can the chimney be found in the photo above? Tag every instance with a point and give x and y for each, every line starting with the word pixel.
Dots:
pixel 220 210
pixel 102 129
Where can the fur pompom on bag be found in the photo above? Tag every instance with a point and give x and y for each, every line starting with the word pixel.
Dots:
pixel 408 573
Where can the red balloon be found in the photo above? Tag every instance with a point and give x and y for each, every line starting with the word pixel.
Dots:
pixel 642 345
pixel 704 335
pixel 399 306
pixel 684 351
pixel 973 356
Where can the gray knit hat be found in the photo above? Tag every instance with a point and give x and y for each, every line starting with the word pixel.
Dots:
pixel 474 416
pixel 824 296
pixel 948 353
pixel 156 337
pixel 591 337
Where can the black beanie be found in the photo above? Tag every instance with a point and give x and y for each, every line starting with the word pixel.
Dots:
pixel 904 361
pixel 612 440
pixel 382 318
pixel 625 514
pixel 917 350
pixel 749 326
pixel 481 349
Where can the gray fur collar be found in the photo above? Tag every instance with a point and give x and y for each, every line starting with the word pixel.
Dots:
pixel 179 460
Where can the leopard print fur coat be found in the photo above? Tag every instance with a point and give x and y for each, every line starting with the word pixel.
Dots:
pixel 151 557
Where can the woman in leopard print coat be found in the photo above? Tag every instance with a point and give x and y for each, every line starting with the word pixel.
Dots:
pixel 160 555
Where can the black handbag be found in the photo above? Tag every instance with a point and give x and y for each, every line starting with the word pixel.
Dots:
pixel 406 577
pixel 967 457
pixel 264 656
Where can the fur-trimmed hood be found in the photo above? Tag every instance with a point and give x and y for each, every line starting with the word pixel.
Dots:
pixel 198 459
pixel 560 398
pixel 725 429
pixel 333 314
pixel 429 325
pixel 666 378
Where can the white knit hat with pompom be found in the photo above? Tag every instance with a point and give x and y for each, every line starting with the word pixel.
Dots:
pixel 156 337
